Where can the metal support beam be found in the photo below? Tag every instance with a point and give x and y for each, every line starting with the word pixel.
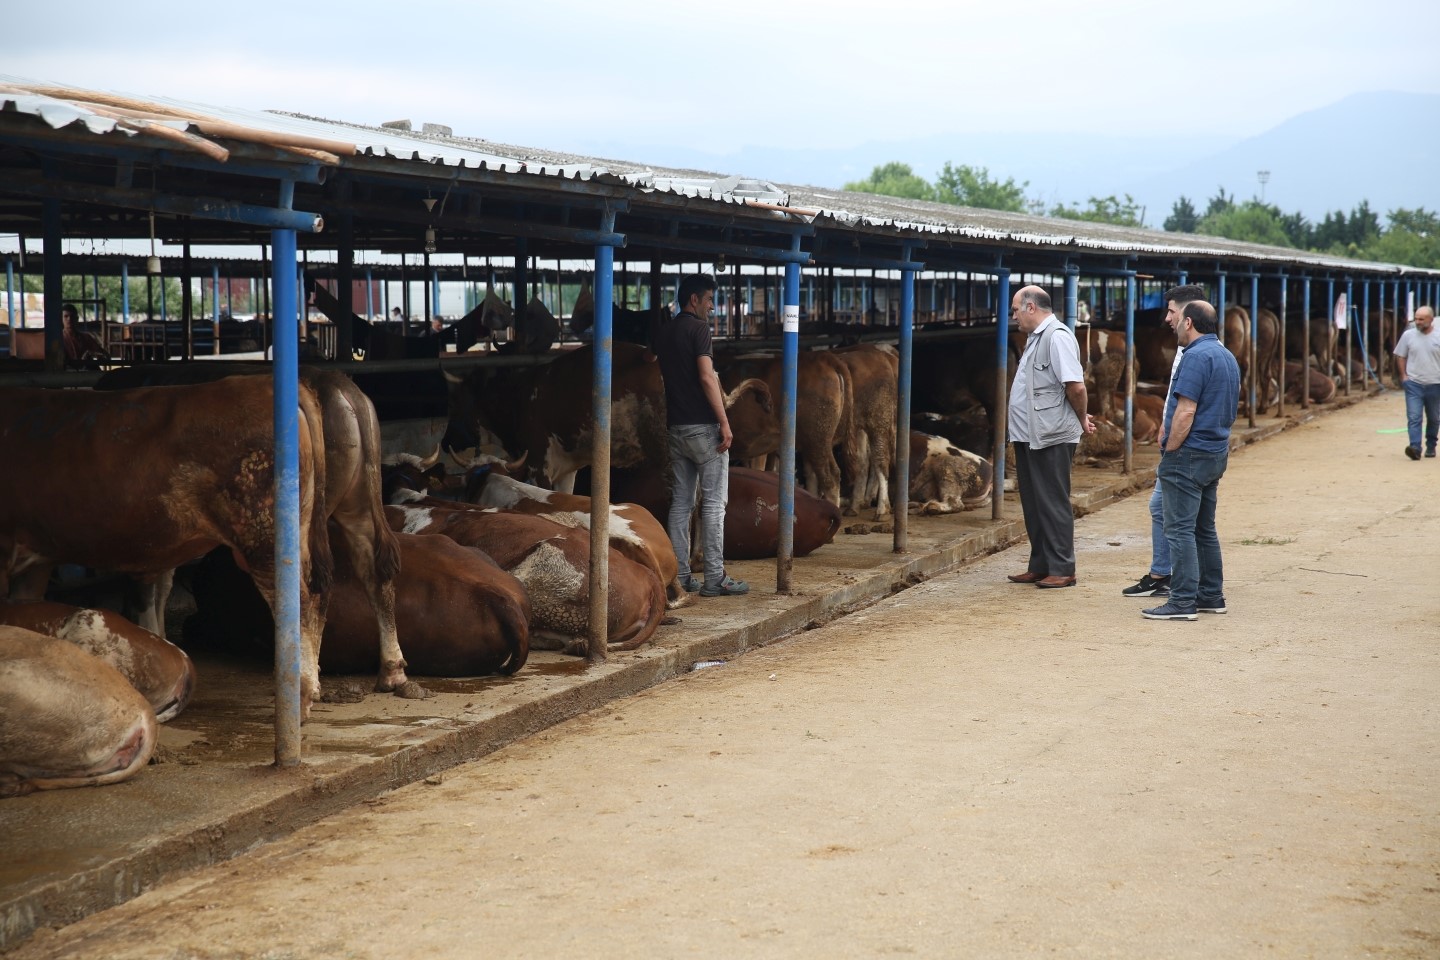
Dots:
pixel 1002 398
pixel 1072 296
pixel 789 378
pixel 288 645
pixel 1280 368
pixel 1128 465
pixel 1305 347
pixel 1254 336
pixel 202 208
pixel 54 287
pixel 604 346
pixel 900 488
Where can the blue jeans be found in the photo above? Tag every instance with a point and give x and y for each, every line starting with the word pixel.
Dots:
pixel 1422 398
pixel 694 462
pixel 1159 546
pixel 1189 480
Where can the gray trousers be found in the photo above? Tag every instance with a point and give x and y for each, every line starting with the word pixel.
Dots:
pixel 696 466
pixel 1044 479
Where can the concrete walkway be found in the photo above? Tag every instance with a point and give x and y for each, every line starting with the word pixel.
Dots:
pixel 968 768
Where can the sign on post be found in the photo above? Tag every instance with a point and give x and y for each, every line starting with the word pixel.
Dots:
pixel 1342 313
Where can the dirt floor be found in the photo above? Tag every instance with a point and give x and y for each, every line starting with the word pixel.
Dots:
pixel 968 768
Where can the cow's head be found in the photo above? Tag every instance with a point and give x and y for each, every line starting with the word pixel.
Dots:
pixel 406 471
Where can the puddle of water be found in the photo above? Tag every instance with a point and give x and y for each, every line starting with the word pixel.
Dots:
pixel 563 668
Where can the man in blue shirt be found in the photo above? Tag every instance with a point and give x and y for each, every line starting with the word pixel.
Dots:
pixel 1195 449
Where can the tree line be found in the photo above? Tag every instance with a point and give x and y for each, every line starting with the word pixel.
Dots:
pixel 1408 236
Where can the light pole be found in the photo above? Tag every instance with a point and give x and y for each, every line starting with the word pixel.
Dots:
pixel 1264 177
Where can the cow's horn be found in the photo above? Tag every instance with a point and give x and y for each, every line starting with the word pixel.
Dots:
pixel 431 460
pixel 513 468
pixel 461 460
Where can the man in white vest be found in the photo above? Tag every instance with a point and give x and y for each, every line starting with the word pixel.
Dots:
pixel 1047 418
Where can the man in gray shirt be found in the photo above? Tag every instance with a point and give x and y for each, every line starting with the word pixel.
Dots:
pixel 1417 362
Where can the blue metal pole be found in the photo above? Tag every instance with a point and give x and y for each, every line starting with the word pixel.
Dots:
pixel 1220 302
pixel 900 492
pixel 1362 331
pixel 369 293
pixel 1129 460
pixel 1002 397
pixel 1254 336
pixel 10 301
pixel 435 289
pixel 54 283
pixel 288 647
pixel 1072 296
pixel 1305 347
pixel 790 363
pixel 124 292
pixel 604 345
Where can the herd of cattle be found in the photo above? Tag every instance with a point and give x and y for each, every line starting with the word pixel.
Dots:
pixel 468 571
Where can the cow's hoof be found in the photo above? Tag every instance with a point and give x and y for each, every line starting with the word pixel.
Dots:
pixel 410 690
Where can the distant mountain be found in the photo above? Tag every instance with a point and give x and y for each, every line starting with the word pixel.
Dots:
pixel 1383 147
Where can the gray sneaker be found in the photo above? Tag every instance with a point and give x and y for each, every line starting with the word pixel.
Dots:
pixel 728 587
pixel 1168 612
pixel 1210 606
pixel 691 584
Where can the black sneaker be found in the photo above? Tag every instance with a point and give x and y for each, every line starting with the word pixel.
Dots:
pixel 1210 606
pixel 1430 452
pixel 1148 586
pixel 1169 612
pixel 1412 452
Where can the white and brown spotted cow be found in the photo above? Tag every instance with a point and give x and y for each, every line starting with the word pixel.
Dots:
pixel 67 718
pixel 945 478
pixel 154 666
pixel 553 562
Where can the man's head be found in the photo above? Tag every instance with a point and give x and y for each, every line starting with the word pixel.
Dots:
pixel 69 315
pixel 1175 300
pixel 1424 317
pixel 1197 319
pixel 697 295
pixel 1029 307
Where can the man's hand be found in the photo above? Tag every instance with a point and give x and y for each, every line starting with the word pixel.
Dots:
pixel 1088 423
pixel 726 437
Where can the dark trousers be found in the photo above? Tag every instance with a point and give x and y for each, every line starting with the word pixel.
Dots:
pixel 1044 479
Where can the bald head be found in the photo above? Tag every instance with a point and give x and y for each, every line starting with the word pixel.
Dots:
pixel 1029 307
pixel 1424 317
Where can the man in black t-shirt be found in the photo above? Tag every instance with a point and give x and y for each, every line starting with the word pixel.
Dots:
pixel 700 435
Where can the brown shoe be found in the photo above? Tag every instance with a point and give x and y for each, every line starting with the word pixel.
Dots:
pixel 1050 583
pixel 1026 577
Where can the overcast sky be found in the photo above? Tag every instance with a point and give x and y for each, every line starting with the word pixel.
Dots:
pixel 562 74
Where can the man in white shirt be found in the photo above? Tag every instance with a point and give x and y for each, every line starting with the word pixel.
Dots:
pixel 1046 420
pixel 1417 362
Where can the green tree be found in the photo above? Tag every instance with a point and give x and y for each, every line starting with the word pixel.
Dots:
pixel 972 187
pixel 895 179
pixel 82 289
pixel 1252 222
pixel 1412 239
pixel 1111 209
pixel 1220 202
pixel 1183 217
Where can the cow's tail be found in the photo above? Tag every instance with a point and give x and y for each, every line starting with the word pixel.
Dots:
pixel 514 617
pixel 850 448
pixel 653 616
pixel 322 560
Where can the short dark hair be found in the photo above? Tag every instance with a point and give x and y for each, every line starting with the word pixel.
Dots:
pixel 1035 295
pixel 696 284
pixel 1201 316
pixel 1185 293
pixel 71 309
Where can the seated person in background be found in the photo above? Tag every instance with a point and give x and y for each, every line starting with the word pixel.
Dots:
pixel 82 349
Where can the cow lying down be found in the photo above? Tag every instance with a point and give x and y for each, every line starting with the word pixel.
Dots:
pixel 458 614
pixel 154 666
pixel 552 560
pixel 946 479
pixel 67 718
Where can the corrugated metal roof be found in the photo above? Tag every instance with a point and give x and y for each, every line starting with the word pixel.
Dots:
pixel 862 211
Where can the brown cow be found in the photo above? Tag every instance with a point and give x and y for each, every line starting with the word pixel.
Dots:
pixel 546 413
pixel 553 562
pixel 67 718
pixel 154 666
pixel 1267 359
pixel 750 409
pixel 752 512
pixel 1322 386
pixel 945 478
pixel 352 501
pixel 824 412
pixel 141 481
pixel 875 375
